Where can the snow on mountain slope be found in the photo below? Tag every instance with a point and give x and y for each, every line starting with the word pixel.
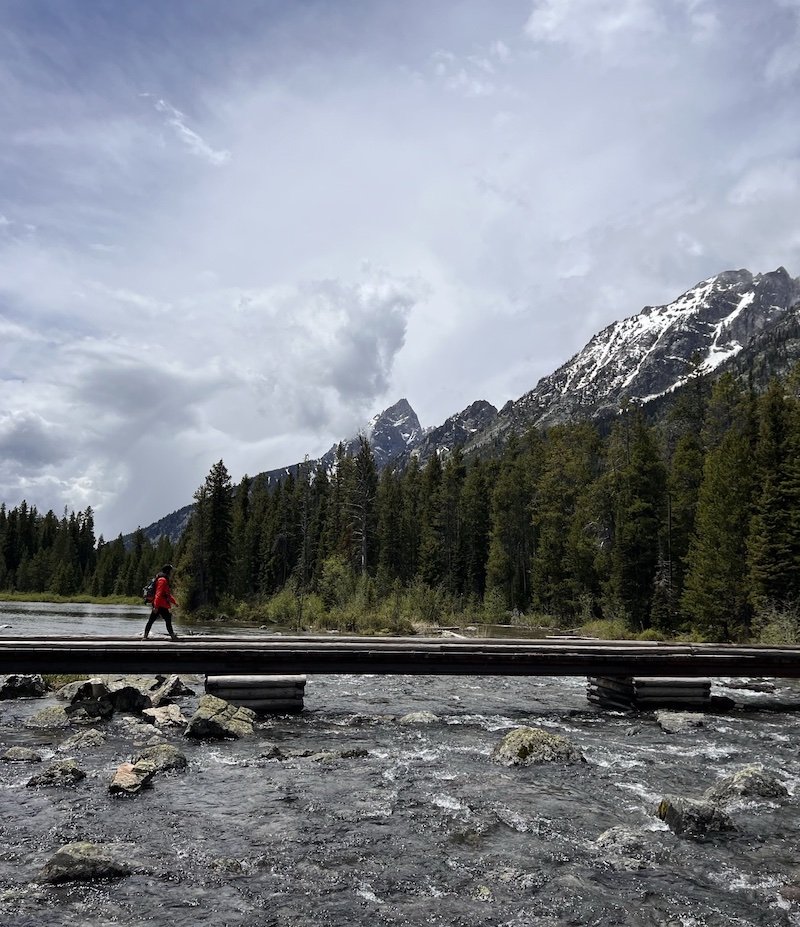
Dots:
pixel 646 355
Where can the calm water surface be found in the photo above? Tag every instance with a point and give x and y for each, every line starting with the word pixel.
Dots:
pixel 423 829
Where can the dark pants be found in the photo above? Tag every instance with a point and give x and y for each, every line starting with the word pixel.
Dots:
pixel 164 613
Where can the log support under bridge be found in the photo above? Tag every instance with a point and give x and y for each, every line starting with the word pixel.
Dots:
pixel 266 655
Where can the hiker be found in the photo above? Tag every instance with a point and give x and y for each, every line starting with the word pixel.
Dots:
pixel 163 601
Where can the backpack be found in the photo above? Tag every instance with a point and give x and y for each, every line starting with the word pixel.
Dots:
pixel 149 591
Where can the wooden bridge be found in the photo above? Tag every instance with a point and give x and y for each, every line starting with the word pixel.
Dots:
pixel 270 654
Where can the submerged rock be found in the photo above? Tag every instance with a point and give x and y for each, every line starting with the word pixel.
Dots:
pixel 24 686
pixel 528 745
pixel 749 782
pixel 62 773
pixel 623 848
pixel 217 719
pixel 83 861
pixel 689 817
pixel 21 755
pixel 418 717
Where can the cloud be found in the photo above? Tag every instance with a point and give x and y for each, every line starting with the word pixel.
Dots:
pixel 588 24
pixel 197 145
pixel 29 442
pixel 549 167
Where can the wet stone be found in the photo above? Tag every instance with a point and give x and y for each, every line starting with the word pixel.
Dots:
pixel 84 861
pixel 164 716
pixel 418 717
pixel 688 817
pixel 51 718
pixel 61 774
pixel 22 686
pixel 676 722
pixel 216 719
pixel 130 778
pixel 163 757
pixel 525 746
pixel 749 782
pixel 83 740
pixel 21 755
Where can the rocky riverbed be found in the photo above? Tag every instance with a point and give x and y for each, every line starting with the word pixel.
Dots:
pixel 396 800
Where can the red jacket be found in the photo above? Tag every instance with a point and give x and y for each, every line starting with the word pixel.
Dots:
pixel 163 597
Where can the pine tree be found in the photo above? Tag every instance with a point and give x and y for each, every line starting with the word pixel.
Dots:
pixel 715 598
pixel 770 543
pixel 637 482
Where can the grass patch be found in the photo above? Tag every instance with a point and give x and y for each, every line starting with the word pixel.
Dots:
pixel 51 597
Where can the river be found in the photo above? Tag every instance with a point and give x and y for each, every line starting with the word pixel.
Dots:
pixel 422 829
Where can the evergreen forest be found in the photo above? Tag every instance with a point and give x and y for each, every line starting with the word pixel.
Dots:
pixel 687 525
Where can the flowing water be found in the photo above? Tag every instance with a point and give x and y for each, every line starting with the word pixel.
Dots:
pixel 404 823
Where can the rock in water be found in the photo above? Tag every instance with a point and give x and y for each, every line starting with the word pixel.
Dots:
pixel 130 778
pixel 419 717
pixel 676 722
pixel 27 686
pixel 83 861
pixel 163 757
pixel 54 716
pixel 83 740
pixel 21 755
pixel 749 782
pixel 688 817
pixel 164 715
pixel 527 745
pixel 216 719
pixel 61 773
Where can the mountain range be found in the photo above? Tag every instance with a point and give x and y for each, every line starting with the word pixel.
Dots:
pixel 738 321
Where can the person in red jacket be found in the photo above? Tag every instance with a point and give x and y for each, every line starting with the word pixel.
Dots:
pixel 163 600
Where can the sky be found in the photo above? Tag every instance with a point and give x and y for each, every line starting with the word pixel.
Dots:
pixel 238 230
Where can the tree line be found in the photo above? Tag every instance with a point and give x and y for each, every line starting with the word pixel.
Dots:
pixel 689 524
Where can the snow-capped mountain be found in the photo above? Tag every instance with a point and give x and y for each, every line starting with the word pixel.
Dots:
pixel 457 430
pixel 647 355
pixel 729 321
pixel 391 433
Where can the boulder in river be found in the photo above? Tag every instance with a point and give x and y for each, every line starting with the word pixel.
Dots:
pixel 50 718
pixel 749 782
pixel 22 686
pixel 84 861
pixel 82 689
pixel 624 848
pixel 130 778
pixel 125 696
pixel 171 687
pixel 216 719
pixel 62 773
pixel 163 757
pixel 83 740
pixel 676 722
pixel 21 755
pixel 689 817
pixel 164 716
pixel 525 746
pixel 87 698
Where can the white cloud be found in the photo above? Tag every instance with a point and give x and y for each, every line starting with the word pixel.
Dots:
pixel 589 24
pixel 197 145
pixel 517 195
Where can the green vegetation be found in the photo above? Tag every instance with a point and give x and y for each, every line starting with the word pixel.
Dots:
pixel 688 527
